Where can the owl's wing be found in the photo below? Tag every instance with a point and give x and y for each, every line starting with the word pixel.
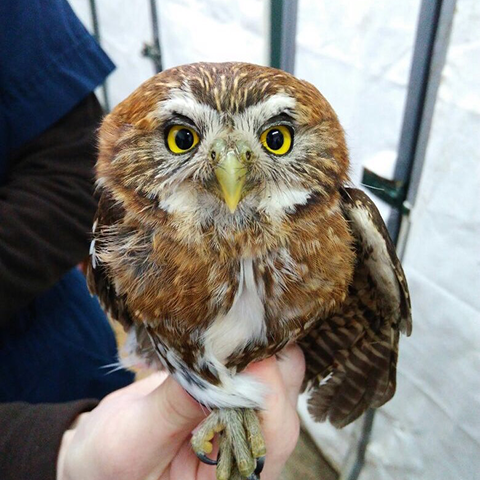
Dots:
pixel 99 283
pixel 351 356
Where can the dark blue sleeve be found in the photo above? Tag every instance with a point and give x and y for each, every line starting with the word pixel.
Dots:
pixel 48 64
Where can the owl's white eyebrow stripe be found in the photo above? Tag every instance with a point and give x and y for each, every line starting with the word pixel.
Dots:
pixel 183 103
pixel 262 112
pixel 276 104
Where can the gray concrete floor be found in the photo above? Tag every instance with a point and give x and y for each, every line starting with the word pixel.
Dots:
pixel 307 463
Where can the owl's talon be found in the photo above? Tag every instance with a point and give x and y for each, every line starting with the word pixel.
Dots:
pixel 201 439
pixel 260 465
pixel 203 458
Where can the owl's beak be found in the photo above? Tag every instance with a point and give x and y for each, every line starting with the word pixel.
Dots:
pixel 231 174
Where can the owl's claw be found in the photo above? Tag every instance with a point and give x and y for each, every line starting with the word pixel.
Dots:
pixel 241 445
pixel 203 458
pixel 258 469
pixel 260 465
pixel 254 476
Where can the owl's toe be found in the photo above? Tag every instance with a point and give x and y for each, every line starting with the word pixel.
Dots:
pixel 241 444
pixel 202 439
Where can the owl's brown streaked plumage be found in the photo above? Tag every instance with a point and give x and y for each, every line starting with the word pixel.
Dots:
pixel 220 244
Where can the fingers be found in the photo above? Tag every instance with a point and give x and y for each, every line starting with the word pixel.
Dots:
pixel 132 435
pixel 152 427
pixel 150 424
pixel 291 364
pixel 280 422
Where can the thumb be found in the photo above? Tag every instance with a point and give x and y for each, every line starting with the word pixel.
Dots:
pixel 160 422
pixel 173 410
pixel 138 426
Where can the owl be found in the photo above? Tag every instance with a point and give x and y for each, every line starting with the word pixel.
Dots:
pixel 227 229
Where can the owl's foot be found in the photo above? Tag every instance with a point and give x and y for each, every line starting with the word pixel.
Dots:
pixel 241 444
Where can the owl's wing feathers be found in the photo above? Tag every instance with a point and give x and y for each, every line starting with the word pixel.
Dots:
pixel 98 280
pixel 351 357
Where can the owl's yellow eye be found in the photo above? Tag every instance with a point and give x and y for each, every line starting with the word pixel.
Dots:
pixel 181 139
pixel 277 140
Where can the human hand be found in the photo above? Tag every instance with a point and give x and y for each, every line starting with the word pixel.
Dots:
pixel 142 432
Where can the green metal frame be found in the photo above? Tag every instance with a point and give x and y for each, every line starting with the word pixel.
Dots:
pixel 282 32
pixel 392 192
pixel 276 29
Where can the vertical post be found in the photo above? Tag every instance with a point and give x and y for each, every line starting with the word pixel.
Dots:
pixel 154 51
pixel 433 32
pixel 96 34
pixel 431 44
pixel 282 32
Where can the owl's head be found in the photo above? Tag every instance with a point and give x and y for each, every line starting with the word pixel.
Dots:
pixel 223 142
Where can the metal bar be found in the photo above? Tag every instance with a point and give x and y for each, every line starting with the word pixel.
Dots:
pixel 431 44
pixel 439 55
pixel 289 35
pixel 283 29
pixel 434 26
pixel 363 442
pixel 96 34
pixel 155 52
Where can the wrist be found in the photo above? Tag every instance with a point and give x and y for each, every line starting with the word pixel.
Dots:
pixel 64 445
pixel 64 448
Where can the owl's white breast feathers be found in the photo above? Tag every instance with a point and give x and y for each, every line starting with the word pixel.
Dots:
pixel 244 322
pixel 241 326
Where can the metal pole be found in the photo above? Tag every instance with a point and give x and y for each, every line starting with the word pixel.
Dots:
pixel 433 32
pixel 96 34
pixel 154 51
pixel 283 30
pixel 361 449
pixel 431 44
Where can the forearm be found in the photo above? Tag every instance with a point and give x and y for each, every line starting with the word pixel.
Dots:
pixel 31 437
pixel 47 207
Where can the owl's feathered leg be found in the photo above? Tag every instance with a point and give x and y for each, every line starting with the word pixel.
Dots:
pixel 241 443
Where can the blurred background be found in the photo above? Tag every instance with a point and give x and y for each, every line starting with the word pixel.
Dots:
pixel 404 79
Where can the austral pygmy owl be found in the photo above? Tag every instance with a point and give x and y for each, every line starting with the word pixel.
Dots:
pixel 226 230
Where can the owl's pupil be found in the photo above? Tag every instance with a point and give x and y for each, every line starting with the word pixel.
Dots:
pixel 184 139
pixel 275 139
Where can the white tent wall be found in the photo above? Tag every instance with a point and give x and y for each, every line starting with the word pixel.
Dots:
pixel 431 429
pixel 190 31
pixel 358 54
